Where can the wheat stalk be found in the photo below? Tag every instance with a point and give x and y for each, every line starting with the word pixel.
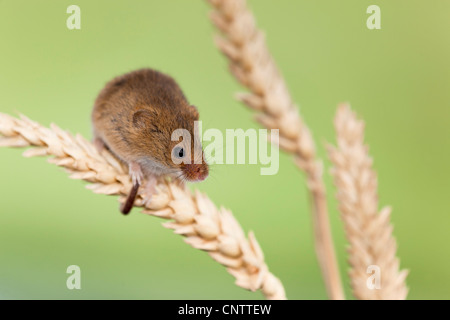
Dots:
pixel 252 65
pixel 369 232
pixel 193 216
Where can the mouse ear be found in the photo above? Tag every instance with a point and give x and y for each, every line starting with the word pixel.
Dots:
pixel 193 110
pixel 142 118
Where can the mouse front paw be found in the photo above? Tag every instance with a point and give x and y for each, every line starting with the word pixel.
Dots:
pixel 148 190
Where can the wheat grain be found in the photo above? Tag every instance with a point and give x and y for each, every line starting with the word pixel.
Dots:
pixel 193 216
pixel 368 231
pixel 253 66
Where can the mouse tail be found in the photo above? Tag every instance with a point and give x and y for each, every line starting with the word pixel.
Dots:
pixel 126 207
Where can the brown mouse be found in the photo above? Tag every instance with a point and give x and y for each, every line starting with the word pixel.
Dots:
pixel 134 116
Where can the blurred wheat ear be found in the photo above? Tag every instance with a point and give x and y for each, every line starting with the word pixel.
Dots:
pixel 252 65
pixel 193 216
pixel 368 231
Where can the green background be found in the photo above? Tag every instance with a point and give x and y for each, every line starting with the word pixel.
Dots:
pixel 396 78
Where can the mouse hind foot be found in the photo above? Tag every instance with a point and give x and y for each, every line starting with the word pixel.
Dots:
pixel 136 174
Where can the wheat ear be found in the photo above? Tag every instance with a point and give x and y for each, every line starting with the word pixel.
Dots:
pixel 368 231
pixel 252 65
pixel 193 216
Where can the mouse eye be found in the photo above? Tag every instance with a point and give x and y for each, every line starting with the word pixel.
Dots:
pixel 178 152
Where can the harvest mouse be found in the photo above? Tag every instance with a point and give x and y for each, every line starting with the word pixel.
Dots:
pixel 134 117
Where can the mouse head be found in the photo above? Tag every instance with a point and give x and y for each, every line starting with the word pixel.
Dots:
pixel 172 141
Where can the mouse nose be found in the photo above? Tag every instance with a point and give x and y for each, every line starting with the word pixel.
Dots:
pixel 201 175
pixel 196 172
